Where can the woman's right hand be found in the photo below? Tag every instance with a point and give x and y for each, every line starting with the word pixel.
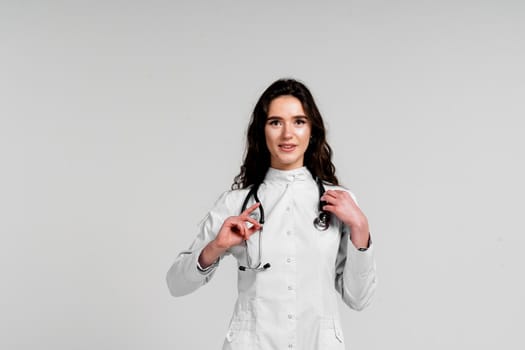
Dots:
pixel 234 231
pixel 237 229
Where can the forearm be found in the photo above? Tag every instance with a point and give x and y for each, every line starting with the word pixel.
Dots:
pixel 210 254
pixel 360 234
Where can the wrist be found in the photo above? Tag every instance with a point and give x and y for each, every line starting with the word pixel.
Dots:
pixel 364 247
pixel 359 230
pixel 210 254
pixel 361 243
pixel 360 237
pixel 216 247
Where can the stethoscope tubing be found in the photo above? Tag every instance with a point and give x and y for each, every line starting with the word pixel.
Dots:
pixel 321 223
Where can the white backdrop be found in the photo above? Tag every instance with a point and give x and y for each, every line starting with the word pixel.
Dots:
pixel 122 121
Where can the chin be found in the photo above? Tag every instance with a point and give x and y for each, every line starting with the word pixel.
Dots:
pixel 288 164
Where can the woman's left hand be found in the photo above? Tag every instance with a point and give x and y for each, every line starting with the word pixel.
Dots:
pixel 342 205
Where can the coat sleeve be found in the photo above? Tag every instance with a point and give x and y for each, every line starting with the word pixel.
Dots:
pixel 355 272
pixel 355 275
pixel 185 275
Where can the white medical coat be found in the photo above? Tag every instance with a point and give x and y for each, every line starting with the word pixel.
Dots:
pixel 293 304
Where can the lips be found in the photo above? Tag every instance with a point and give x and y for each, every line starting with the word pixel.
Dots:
pixel 287 147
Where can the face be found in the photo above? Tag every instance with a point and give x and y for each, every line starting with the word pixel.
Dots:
pixel 287 132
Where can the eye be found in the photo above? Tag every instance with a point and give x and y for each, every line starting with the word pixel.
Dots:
pixel 274 122
pixel 300 121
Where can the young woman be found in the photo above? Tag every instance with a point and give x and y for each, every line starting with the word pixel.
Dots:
pixel 300 240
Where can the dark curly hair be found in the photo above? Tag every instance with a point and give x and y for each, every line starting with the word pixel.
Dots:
pixel 318 155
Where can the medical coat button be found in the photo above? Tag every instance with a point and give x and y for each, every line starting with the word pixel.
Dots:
pixel 229 336
pixel 289 260
pixel 290 316
pixel 290 346
pixel 290 288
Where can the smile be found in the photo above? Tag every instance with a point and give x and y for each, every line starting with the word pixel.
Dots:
pixel 287 147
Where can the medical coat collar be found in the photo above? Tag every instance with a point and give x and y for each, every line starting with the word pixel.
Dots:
pixel 276 175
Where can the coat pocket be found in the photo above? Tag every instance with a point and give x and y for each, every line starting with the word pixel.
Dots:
pixel 330 335
pixel 241 335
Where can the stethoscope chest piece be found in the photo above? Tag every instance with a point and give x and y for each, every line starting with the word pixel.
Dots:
pixel 321 222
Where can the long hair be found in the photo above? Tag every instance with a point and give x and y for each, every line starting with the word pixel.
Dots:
pixel 318 155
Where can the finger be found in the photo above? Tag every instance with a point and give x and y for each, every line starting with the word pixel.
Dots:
pixel 250 209
pixel 329 208
pixel 336 193
pixel 331 194
pixel 328 199
pixel 241 229
pixel 239 226
pixel 254 222
pixel 250 231
pixel 236 227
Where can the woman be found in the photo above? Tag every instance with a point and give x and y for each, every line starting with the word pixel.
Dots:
pixel 291 268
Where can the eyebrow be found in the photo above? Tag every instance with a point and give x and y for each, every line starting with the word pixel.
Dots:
pixel 300 116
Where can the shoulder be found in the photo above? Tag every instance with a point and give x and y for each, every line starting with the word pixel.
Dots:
pixel 231 200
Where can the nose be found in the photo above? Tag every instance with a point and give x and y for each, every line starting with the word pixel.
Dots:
pixel 287 131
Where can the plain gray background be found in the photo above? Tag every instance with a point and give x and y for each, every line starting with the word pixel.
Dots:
pixel 122 122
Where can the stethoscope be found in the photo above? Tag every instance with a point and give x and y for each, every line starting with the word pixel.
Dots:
pixel 321 223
